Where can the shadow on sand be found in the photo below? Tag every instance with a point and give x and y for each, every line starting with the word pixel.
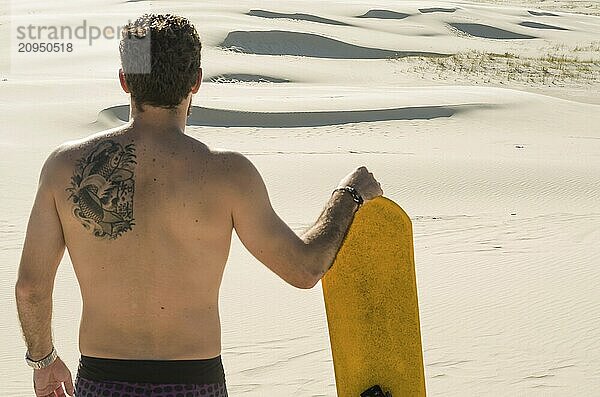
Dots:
pixel 210 117
pixel 296 16
pixel 488 32
pixel 281 42
pixel 244 78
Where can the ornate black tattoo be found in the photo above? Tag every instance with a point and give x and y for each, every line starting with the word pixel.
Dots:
pixel 102 189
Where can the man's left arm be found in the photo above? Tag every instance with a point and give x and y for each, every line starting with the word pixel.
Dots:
pixel 42 252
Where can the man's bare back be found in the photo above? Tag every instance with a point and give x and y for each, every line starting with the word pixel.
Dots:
pixel 150 291
pixel 153 288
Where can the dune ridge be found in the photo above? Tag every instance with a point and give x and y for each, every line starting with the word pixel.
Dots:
pixel 209 117
pixel 244 77
pixel 488 32
pixel 296 16
pixel 436 9
pixel 542 13
pixel 384 14
pixel 537 25
pixel 279 42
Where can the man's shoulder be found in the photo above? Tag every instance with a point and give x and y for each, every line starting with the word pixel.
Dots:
pixel 58 157
pixel 70 150
pixel 54 169
pixel 64 157
pixel 236 163
pixel 236 171
pixel 230 156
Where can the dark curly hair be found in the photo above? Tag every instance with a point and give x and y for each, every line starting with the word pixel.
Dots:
pixel 160 56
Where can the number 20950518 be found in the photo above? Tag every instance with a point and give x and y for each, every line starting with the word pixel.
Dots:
pixel 45 47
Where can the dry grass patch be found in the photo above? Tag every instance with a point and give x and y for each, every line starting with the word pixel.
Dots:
pixel 552 68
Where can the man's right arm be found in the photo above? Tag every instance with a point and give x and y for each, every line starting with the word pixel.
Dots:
pixel 300 261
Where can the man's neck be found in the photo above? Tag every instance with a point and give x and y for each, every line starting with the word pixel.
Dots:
pixel 155 120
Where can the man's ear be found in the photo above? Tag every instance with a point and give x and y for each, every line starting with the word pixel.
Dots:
pixel 196 86
pixel 123 82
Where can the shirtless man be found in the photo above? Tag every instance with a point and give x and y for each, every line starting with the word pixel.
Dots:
pixel 147 214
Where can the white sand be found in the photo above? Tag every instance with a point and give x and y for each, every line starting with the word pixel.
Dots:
pixel 497 164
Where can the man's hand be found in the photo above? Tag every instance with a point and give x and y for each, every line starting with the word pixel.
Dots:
pixel 48 382
pixel 363 182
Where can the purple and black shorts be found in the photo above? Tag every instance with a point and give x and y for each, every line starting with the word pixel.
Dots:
pixel 99 377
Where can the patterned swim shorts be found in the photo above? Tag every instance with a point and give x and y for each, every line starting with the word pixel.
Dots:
pixel 90 388
pixel 106 377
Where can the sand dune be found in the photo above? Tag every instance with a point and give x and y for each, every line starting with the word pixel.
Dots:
pixel 542 13
pixel 436 9
pixel 384 14
pixel 296 16
pixel 202 116
pixel 243 77
pixel 488 32
pixel 537 25
pixel 279 42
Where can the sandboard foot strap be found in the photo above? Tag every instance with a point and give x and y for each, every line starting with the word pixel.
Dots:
pixel 375 391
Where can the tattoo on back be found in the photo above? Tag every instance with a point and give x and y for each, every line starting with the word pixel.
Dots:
pixel 102 189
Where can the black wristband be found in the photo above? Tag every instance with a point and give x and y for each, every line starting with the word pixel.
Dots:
pixel 355 196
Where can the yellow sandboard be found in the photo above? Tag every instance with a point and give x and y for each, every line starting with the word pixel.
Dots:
pixel 371 303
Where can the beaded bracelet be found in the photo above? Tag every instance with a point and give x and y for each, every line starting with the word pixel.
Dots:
pixel 355 196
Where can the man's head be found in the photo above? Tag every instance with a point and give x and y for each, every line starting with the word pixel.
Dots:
pixel 160 58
